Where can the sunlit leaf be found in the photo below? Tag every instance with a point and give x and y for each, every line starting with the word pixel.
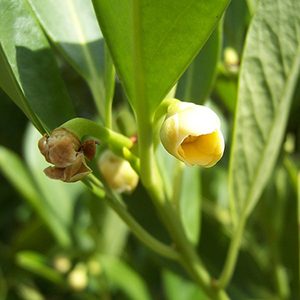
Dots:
pixel 80 41
pixel 269 73
pixel 38 264
pixel 153 43
pixel 30 75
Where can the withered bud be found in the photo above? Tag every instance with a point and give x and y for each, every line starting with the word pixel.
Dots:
pixel 64 150
pixel 89 149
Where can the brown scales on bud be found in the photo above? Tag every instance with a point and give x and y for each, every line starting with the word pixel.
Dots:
pixel 64 150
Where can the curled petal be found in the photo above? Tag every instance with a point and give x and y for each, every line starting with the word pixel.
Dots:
pixel 192 134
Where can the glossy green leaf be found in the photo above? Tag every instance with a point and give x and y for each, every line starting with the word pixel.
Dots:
pixel 11 87
pixel 38 264
pixel 73 27
pixel 152 43
pixel 269 74
pixel 196 83
pixel 122 276
pixel 30 74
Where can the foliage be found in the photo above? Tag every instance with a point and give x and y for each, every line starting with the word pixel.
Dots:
pixel 106 70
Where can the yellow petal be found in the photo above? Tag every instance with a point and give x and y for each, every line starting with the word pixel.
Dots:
pixel 192 134
pixel 204 150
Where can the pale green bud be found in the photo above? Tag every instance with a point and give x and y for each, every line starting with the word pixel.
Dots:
pixel 192 134
pixel 62 263
pixel 78 278
pixel 117 172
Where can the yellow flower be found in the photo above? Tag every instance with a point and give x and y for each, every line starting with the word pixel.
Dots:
pixel 117 172
pixel 192 133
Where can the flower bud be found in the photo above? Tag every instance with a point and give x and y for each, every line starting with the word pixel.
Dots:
pixel 78 278
pixel 62 263
pixel 231 59
pixel 192 134
pixel 117 172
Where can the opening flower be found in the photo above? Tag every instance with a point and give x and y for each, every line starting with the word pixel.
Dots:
pixel 192 134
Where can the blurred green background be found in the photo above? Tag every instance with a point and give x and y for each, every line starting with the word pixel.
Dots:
pixel 58 241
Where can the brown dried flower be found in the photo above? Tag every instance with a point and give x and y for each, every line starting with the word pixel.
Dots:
pixel 64 150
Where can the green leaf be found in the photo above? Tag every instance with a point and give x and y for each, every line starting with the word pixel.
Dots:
pixel 177 288
pixel 236 22
pixel 11 87
pixel 190 202
pixel 226 90
pixel 18 174
pixel 153 43
pixel 73 27
pixel 196 83
pixel 183 185
pixel 167 166
pixel 27 292
pixel 122 276
pixel 30 74
pixel 114 234
pixel 252 4
pixel 37 264
pixel 268 77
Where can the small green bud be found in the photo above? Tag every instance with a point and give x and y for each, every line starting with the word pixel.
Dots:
pixel 78 278
pixel 117 172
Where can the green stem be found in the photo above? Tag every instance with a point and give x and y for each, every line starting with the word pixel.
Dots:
pixel 116 141
pixel 150 176
pixel 84 127
pixel 233 252
pixel 189 258
pixel 95 186
pixel 144 236
pixel 109 82
pixel 98 98
pixel 152 181
pixel 177 184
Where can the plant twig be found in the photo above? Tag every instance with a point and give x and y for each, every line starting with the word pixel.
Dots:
pixel 98 189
